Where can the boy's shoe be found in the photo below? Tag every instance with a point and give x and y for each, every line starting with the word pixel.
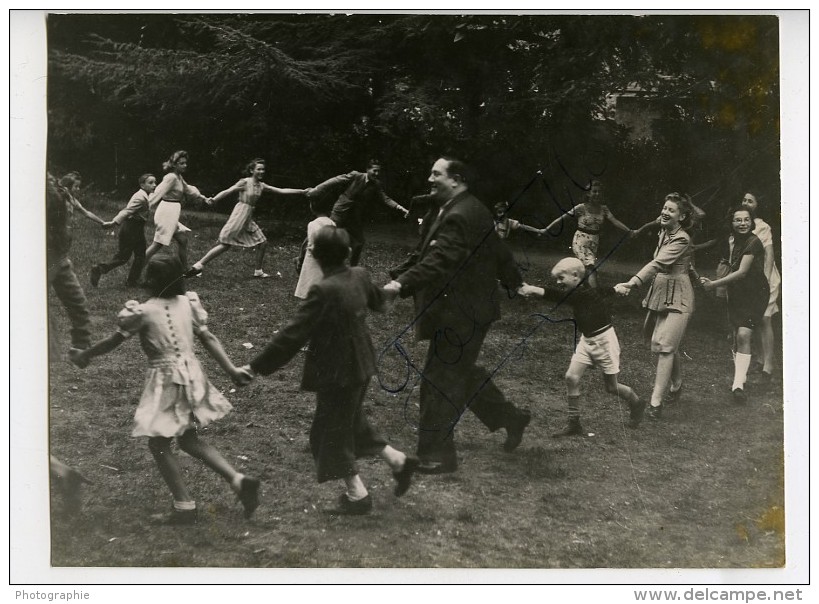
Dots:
pixel 260 275
pixel 636 411
pixel 96 273
pixel 573 428
pixel 192 272
pixel 249 494
pixel 182 517
pixel 739 396
pixel 359 507
pixel 403 477
pixel 75 356
pixel 654 413
pixel 514 431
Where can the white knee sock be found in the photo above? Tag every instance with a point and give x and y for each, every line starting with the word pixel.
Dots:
pixel 394 458
pixel 741 363
pixel 236 483
pixel 355 488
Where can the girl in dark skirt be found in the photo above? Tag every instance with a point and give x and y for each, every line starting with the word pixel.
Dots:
pixel 747 291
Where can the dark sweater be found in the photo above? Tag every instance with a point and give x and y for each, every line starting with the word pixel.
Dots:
pixel 591 307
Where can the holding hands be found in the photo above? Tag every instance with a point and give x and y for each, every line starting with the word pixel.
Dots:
pixel 108 225
pixel 78 357
pixel 243 375
pixel 623 289
pixel 707 284
pixel 527 291
pixel 392 289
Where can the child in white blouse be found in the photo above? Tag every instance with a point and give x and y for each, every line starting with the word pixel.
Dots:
pixel 177 397
pixel 310 272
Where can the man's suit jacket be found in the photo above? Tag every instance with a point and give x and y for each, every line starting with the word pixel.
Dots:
pixel 333 320
pixel 453 273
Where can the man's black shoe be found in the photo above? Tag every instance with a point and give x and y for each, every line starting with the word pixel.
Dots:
pixel 514 431
pixel 436 467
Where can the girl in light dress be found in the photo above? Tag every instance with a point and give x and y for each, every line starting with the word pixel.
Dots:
pixel 311 270
pixel 240 229
pixel 590 217
pixel 167 199
pixel 669 299
pixel 177 398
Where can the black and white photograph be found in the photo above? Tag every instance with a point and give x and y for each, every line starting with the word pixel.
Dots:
pixel 422 294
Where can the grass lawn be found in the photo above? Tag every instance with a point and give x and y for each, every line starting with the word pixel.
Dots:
pixel 702 488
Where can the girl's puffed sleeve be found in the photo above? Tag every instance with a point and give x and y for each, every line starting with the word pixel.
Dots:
pixel 129 319
pixel 198 313
pixel 193 194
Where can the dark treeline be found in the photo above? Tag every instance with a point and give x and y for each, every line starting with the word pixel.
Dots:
pixel 319 94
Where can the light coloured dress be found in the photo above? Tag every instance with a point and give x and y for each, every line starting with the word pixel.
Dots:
pixel 169 195
pixel 240 229
pixel 311 272
pixel 177 395
pixel 586 240
pixel 670 297
pixel 763 231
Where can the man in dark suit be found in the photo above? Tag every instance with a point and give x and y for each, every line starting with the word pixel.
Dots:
pixel 453 277
pixel 360 188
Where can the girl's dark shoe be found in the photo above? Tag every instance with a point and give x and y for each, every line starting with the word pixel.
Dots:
pixel 249 494
pixel 673 396
pixel 403 477
pixel 764 378
pixel 739 396
pixel 654 413
pixel 359 507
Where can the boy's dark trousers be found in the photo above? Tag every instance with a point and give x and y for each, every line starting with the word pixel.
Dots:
pixel 64 281
pixel 131 241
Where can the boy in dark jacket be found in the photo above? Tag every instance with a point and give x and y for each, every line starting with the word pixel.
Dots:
pixel 340 361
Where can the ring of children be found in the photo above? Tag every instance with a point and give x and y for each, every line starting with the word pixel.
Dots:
pixel 416 291
pixel 703 488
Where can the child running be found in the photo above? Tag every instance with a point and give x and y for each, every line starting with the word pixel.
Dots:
pixel 177 398
pixel 60 206
pixel 240 229
pixel 590 216
pixel 598 345
pixel 337 368
pixel 310 272
pixel 131 220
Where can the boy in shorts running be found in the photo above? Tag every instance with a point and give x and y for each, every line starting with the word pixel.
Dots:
pixel 598 345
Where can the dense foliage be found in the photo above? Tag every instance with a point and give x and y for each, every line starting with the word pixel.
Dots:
pixel 318 94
